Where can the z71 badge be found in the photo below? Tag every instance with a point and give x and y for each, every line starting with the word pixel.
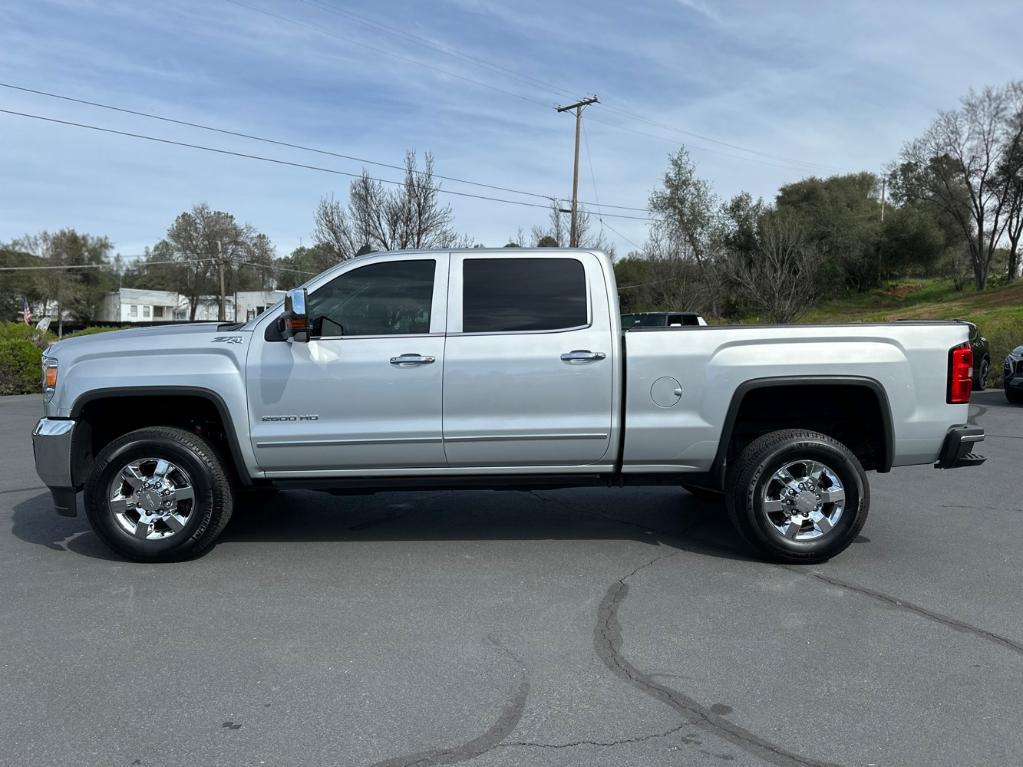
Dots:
pixel 227 340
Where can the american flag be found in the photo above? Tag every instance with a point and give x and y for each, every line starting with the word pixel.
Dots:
pixel 26 312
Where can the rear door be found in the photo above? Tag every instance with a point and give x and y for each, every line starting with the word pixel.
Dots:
pixel 529 361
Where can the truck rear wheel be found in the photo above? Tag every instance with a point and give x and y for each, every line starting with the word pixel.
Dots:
pixel 797 496
pixel 158 494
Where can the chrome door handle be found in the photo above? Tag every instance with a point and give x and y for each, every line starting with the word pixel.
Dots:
pixel 582 355
pixel 405 360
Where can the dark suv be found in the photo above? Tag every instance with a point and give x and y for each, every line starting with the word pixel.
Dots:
pixel 1012 376
pixel 981 357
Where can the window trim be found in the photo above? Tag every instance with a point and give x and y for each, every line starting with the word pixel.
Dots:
pixel 457 282
pixel 438 314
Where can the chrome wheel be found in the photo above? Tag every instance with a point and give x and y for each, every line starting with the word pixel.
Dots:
pixel 803 500
pixel 151 498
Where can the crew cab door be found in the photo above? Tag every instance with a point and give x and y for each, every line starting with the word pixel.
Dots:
pixel 529 369
pixel 365 392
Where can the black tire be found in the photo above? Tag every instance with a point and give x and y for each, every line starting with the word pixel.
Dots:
pixel 1015 396
pixel 753 470
pixel 207 515
pixel 982 372
pixel 704 493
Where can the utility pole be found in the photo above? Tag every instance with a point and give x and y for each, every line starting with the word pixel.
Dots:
pixel 884 188
pixel 220 263
pixel 573 240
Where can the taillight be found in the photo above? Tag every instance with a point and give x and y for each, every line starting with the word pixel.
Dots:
pixel 960 374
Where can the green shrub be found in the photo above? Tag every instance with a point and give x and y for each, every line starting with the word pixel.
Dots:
pixel 19 331
pixel 20 366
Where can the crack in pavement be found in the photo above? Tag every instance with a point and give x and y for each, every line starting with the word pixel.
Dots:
pixel 501 729
pixel 62 544
pixel 892 601
pixel 975 508
pixel 607 642
pixel 902 604
pixel 599 743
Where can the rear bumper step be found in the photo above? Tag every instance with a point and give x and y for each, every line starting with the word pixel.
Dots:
pixel 957 450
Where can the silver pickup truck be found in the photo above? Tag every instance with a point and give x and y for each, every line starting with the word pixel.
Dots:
pixel 493 369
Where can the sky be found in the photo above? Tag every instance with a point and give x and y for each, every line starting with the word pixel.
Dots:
pixel 760 93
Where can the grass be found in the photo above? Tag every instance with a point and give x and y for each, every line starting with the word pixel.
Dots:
pixel 997 312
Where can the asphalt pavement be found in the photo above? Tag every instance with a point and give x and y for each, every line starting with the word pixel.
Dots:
pixel 572 627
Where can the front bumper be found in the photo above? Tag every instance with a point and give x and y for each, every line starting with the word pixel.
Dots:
pixel 957 450
pixel 51 445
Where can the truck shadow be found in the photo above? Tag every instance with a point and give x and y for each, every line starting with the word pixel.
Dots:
pixel 655 516
pixel 36 522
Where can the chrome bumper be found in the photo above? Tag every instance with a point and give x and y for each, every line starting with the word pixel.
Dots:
pixel 51 445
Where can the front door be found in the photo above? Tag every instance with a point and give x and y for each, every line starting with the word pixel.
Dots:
pixel 529 362
pixel 365 392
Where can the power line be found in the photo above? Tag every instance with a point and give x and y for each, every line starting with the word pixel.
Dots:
pixel 287 144
pixel 276 161
pixel 809 165
pixel 593 179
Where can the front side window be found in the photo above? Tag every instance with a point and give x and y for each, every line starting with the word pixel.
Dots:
pixel 504 295
pixel 389 298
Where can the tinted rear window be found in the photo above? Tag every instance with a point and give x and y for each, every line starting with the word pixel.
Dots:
pixel 516 294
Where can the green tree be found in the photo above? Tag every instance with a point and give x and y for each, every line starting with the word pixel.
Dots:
pixel 303 263
pixel 198 244
pixel 842 215
pixel 686 211
pixel 79 287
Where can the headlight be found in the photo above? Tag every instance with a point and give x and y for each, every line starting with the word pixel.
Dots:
pixel 49 377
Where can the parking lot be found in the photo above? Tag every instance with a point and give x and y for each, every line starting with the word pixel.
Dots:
pixel 590 627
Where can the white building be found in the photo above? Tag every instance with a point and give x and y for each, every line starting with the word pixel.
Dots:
pixel 134 305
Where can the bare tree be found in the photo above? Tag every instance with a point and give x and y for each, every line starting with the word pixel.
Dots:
pixel 410 215
pixel 202 240
pixel 958 160
pixel 780 279
pixel 557 232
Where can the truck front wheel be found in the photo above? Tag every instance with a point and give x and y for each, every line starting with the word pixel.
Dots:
pixel 158 494
pixel 797 496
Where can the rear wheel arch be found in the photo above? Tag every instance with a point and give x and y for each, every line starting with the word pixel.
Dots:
pixel 876 434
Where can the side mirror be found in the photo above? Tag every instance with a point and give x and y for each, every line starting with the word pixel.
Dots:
pixel 295 321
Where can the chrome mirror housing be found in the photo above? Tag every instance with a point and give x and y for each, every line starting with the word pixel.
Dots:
pixel 295 321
